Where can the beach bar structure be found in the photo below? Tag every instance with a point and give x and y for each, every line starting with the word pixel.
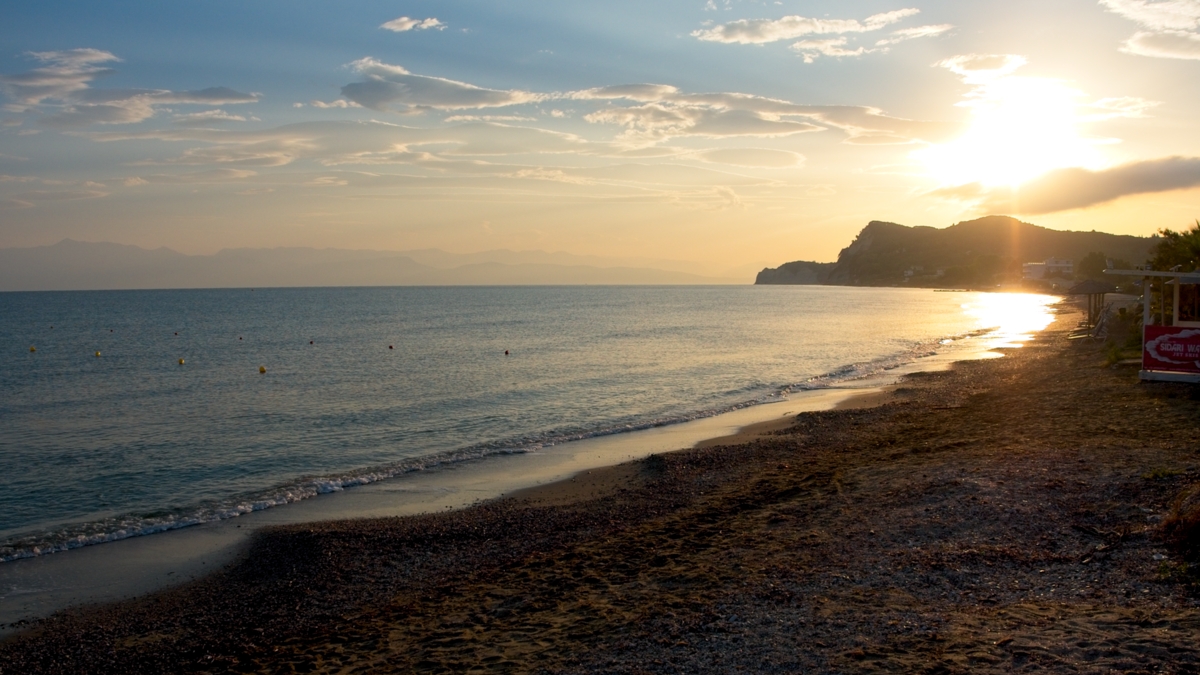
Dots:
pixel 1095 292
pixel 1170 340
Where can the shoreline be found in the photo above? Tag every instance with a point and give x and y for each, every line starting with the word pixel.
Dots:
pixel 984 519
pixel 34 588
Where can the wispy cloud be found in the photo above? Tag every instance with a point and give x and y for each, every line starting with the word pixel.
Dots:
pixel 389 87
pixel 913 33
pixel 207 117
pixel 62 88
pixel 810 49
pixel 665 112
pixel 64 74
pixel 753 157
pixel 1074 188
pixel 405 24
pixel 340 103
pixel 33 197
pixel 208 176
pixel 760 31
pixel 982 68
pixel 1170 27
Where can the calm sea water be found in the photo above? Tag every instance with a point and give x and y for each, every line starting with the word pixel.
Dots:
pixel 365 383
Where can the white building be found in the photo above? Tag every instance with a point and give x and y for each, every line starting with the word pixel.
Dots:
pixel 1051 267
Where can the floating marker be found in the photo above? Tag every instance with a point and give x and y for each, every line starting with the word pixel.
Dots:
pixel 239 337
pixel 262 369
pixel 506 352
pixel 33 349
pixel 181 362
pixel 97 353
pixel 310 342
pixel 389 346
pixel 177 333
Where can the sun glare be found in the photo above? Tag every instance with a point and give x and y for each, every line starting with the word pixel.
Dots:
pixel 1011 318
pixel 1021 127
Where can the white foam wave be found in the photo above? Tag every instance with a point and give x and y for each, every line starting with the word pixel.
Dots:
pixel 133 525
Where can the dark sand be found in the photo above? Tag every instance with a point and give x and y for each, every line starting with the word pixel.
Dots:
pixel 998 517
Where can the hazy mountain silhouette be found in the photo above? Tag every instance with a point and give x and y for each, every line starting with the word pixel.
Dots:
pixel 970 252
pixel 76 265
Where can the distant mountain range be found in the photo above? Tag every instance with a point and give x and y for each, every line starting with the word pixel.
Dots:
pixel 77 265
pixel 972 253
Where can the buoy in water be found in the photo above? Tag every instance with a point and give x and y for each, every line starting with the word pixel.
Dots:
pixel 239 337
pixel 310 342
pixel 177 333
pixel 181 362
pixel 389 346
pixel 506 352
pixel 33 349
pixel 262 369
pixel 97 353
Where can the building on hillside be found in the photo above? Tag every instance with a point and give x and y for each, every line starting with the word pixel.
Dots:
pixel 1048 269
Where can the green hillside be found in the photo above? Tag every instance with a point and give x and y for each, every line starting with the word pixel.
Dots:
pixel 974 253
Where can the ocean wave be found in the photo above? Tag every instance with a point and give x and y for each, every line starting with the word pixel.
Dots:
pixel 33 544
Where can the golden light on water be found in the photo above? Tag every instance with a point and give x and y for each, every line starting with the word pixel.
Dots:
pixel 1011 318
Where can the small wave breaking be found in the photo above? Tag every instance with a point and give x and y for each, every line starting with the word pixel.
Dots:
pixel 33 544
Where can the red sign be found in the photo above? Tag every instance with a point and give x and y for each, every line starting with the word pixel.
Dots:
pixel 1173 348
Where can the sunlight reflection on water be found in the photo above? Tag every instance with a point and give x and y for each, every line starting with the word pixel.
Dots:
pixel 1011 318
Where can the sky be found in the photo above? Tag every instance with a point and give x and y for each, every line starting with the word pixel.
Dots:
pixel 734 133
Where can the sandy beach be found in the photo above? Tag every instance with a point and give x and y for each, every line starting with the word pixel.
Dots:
pixel 1000 516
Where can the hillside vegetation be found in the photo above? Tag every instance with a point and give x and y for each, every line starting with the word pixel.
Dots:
pixel 980 252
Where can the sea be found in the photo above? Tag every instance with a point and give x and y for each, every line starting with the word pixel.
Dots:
pixel 128 413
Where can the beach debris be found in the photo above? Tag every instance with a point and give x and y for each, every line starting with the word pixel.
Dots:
pixel 262 369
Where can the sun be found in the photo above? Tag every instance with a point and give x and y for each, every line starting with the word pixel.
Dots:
pixel 1020 128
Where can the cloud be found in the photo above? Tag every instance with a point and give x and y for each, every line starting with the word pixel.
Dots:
pixel 666 112
pixel 1170 27
pixel 1161 15
pixel 913 33
pixel 327 181
pixel 65 73
pixel 1123 106
pixel 404 24
pixel 207 117
pixel 1074 188
pixel 753 157
pixel 489 118
pixel 982 68
pixel 760 31
pixel 340 103
pixel 209 176
pixel 32 197
pixel 655 122
pixel 63 85
pixel 392 87
pixel 1167 45
pixel 810 49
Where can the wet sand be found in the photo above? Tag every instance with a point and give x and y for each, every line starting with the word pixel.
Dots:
pixel 1000 516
